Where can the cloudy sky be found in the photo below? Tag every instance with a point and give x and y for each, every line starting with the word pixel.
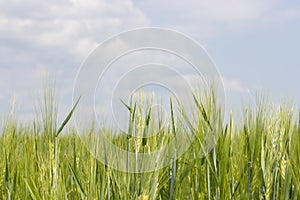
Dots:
pixel 254 43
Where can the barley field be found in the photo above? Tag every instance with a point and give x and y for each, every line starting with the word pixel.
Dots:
pixel 255 157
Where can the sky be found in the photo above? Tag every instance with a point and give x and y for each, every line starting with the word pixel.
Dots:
pixel 254 43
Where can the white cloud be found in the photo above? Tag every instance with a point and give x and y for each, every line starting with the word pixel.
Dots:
pixel 74 26
pixel 223 10
pixel 54 36
pixel 210 18
pixel 234 85
pixel 208 10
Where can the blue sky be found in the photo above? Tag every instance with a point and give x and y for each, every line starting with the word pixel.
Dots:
pixel 254 43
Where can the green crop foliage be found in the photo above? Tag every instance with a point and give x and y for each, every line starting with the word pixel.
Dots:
pixel 257 157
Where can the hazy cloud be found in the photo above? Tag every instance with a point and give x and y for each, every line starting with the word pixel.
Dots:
pixel 234 85
pixel 42 36
pixel 39 35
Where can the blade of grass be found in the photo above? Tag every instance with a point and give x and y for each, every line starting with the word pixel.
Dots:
pixel 77 180
pixel 67 118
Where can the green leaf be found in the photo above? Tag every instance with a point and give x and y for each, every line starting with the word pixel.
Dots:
pixel 76 179
pixel 67 118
